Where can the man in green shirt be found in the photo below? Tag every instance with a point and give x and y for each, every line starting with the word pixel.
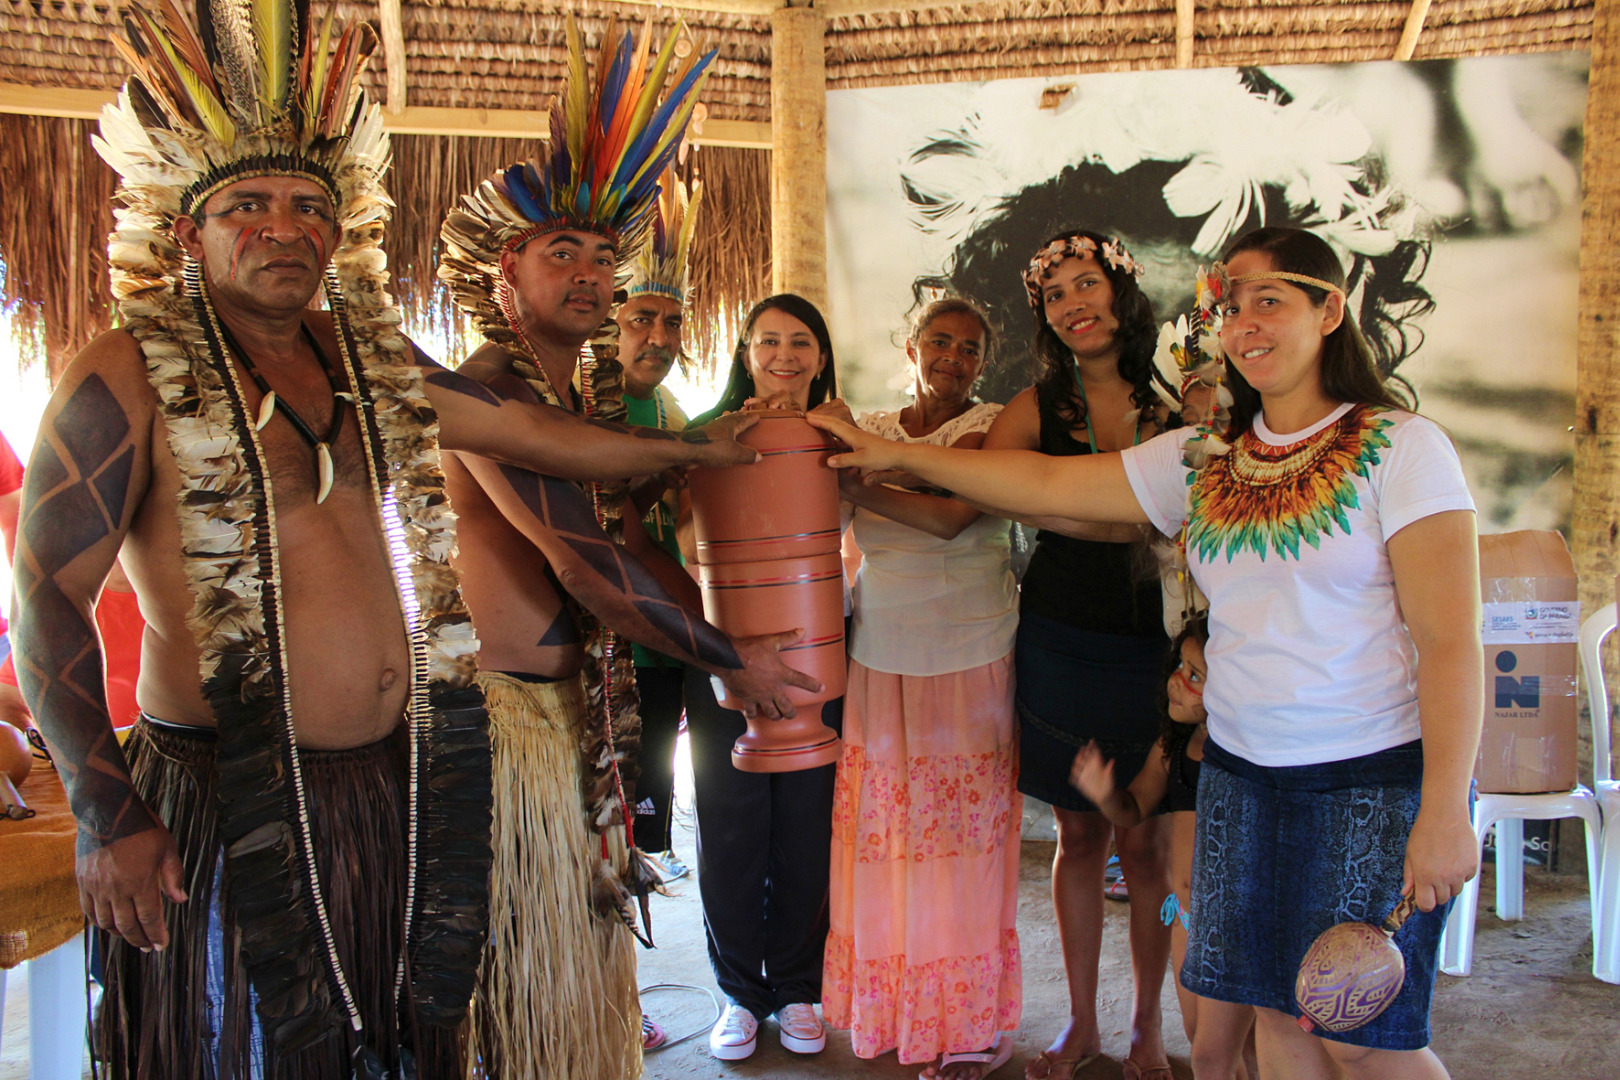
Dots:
pixel 650 323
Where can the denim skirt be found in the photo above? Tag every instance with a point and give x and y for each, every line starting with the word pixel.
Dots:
pixel 1284 853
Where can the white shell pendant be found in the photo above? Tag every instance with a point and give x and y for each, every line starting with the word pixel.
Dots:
pixel 267 409
pixel 323 464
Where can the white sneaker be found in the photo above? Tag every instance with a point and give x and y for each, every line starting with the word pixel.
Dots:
pixel 735 1035
pixel 802 1032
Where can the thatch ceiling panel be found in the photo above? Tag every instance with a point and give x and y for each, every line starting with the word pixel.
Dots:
pixel 502 55
pixel 58 45
pixel 966 38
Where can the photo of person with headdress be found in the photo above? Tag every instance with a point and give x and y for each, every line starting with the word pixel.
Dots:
pixel 1418 174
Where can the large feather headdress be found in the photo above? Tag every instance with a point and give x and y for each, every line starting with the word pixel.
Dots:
pixel 662 266
pixel 248 92
pixel 611 139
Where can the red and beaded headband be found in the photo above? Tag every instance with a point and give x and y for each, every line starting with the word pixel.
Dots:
pixel 1112 252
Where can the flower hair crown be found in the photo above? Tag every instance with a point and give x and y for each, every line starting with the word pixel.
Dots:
pixel 1112 251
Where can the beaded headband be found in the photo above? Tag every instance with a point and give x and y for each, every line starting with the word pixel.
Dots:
pixel 1074 245
pixel 1276 275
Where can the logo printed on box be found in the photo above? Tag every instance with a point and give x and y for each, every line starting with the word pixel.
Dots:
pixel 1515 693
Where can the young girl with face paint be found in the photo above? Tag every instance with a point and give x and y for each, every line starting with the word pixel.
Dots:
pixel 1168 783
pixel 1333 534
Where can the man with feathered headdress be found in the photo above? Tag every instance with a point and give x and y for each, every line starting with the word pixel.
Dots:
pixel 651 320
pixel 532 256
pixel 309 786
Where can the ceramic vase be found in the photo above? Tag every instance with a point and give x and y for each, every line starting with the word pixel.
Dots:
pixel 768 561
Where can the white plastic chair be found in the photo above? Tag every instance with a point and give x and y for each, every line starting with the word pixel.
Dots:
pixel 1506 813
pixel 1606 936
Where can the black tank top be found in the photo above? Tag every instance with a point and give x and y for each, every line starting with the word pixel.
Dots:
pixel 1087 584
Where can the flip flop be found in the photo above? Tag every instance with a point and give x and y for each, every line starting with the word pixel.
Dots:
pixel 1061 1068
pixel 999 1053
pixel 1133 1071
pixel 652 1036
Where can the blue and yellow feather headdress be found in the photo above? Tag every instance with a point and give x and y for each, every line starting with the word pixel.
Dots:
pixel 662 265
pixel 611 139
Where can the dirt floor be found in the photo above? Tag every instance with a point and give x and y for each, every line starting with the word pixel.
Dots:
pixel 1531 1009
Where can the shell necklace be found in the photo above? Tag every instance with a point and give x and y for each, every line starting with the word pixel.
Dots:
pixel 270 403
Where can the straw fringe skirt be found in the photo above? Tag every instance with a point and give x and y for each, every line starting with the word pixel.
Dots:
pixel 556 995
pixel 188 1011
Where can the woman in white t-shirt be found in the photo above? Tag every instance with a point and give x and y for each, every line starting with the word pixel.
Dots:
pixel 1336 544
pixel 923 957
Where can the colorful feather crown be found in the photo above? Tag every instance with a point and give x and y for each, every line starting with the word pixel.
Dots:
pixel 248 93
pixel 662 266
pixel 610 142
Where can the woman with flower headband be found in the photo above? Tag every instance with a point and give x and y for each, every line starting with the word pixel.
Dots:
pixel 1334 536
pixel 1091 641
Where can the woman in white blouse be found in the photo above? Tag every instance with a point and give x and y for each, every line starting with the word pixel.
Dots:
pixel 923 955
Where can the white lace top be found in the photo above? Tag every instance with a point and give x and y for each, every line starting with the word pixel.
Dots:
pixel 926 606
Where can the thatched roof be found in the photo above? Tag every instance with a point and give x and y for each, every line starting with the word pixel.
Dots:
pixel 507 55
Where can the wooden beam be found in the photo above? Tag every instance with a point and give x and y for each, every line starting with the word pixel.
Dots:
pixel 799 153
pixel 1595 530
pixel 412 120
pixel 393 43
pixel 1184 33
pixel 1414 27
pixel 53 101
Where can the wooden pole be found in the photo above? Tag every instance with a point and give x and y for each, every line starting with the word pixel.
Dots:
pixel 1414 27
pixel 393 43
pixel 799 153
pixel 1184 33
pixel 1596 538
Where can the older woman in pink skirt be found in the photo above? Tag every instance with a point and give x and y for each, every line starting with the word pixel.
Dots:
pixel 923 956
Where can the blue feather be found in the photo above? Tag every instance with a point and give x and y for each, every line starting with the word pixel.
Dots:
pixel 517 189
pixel 613 85
pixel 644 141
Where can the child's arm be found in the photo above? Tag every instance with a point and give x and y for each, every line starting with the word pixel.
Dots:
pixel 1093 775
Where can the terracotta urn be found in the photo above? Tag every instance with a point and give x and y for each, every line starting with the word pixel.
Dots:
pixel 783 506
pixel 768 561
pixel 1351 973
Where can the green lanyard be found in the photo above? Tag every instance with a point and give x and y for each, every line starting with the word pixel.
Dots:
pixel 1091 428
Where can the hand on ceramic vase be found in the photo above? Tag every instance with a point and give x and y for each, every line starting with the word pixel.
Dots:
pixel 717 440
pixel 780 400
pixel 837 408
pixel 760 687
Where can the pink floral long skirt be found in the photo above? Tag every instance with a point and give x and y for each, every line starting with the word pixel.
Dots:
pixel 923 953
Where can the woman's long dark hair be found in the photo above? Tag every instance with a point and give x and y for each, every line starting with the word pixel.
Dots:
pixel 1138 335
pixel 740 381
pixel 1349 369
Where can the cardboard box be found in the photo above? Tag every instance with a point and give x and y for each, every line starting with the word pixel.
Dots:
pixel 1531 630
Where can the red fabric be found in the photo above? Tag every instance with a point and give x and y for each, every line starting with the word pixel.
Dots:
pixel 11 470
pixel 118 617
pixel 11 477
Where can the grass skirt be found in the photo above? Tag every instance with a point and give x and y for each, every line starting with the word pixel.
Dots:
pixel 556 995
pixel 923 955
pixel 188 1011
